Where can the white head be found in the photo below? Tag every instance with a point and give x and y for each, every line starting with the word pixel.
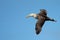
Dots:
pixel 31 15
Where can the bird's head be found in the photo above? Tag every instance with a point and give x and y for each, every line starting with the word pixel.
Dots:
pixel 31 15
pixel 43 11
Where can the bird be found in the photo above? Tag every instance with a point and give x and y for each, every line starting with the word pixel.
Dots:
pixel 41 18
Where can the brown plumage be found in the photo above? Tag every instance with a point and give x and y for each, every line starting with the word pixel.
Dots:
pixel 41 17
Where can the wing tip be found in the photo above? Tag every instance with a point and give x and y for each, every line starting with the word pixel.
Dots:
pixel 38 32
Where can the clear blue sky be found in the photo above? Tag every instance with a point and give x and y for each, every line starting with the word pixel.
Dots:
pixel 14 25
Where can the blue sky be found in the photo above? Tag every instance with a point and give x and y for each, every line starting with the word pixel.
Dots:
pixel 14 25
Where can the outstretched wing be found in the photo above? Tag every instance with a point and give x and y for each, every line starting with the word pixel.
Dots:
pixel 39 24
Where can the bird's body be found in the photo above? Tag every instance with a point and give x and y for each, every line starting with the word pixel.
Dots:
pixel 42 17
pixel 39 24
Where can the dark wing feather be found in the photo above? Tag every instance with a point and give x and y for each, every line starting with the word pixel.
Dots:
pixel 39 24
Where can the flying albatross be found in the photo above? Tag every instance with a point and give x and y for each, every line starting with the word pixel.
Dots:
pixel 41 17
